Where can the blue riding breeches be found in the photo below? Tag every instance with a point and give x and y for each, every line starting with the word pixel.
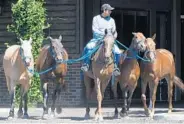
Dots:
pixel 89 47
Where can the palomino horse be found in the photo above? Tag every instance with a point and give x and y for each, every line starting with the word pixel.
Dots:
pixel 130 72
pixel 102 68
pixel 52 55
pixel 17 62
pixel 161 66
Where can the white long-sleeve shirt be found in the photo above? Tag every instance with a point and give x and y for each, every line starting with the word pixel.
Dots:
pixel 100 24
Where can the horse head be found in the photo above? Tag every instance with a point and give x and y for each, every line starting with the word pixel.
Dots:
pixel 26 53
pixel 56 48
pixel 150 48
pixel 138 42
pixel 150 44
pixel 108 45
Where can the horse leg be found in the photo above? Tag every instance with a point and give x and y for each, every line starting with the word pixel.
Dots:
pixel 56 96
pixel 150 104
pixel 12 99
pixel 153 88
pixel 103 86
pixel 98 112
pixel 25 87
pixel 87 82
pixel 20 112
pixel 53 102
pixel 58 108
pixel 170 94
pixel 25 105
pixel 114 89
pixel 143 97
pixel 45 100
pixel 131 91
pixel 123 112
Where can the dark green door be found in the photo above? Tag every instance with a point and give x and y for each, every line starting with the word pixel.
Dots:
pixel 128 21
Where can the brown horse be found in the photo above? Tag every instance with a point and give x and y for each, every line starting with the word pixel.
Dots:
pixel 52 55
pixel 102 68
pixel 130 73
pixel 161 66
pixel 17 62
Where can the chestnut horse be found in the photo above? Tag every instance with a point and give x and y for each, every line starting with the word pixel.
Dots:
pixel 102 68
pixel 52 55
pixel 161 66
pixel 130 73
pixel 17 63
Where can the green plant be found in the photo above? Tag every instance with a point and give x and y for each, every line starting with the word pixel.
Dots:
pixel 29 20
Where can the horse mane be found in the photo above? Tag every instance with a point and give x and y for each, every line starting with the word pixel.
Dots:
pixel 65 54
pixel 123 56
pixel 42 57
pixel 97 53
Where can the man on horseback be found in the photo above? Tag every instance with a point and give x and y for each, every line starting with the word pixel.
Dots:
pixel 101 23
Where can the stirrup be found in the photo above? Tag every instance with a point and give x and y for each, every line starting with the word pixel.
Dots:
pixel 116 72
pixel 85 67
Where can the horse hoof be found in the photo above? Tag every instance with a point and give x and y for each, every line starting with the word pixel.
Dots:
pixel 20 114
pixel 45 116
pixel 96 117
pixel 10 117
pixel 128 109
pixel 169 111
pixel 58 110
pixel 147 113
pixel 116 116
pixel 123 114
pixel 87 117
pixel 52 115
pixel 26 116
pixel 11 114
pixel 151 116
pixel 100 118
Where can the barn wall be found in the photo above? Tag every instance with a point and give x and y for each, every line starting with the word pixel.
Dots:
pixel 63 15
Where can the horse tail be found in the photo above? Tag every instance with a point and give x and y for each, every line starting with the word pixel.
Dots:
pixel 178 82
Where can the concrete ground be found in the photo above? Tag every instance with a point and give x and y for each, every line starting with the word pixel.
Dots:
pixel 76 115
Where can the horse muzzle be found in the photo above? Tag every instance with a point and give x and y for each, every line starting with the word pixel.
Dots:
pixel 59 58
pixel 27 61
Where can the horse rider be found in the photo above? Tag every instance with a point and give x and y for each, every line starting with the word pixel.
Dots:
pixel 101 23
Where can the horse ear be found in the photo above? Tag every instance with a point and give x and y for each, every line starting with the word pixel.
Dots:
pixel 134 33
pixel 21 41
pixel 49 37
pixel 60 38
pixel 154 36
pixel 30 40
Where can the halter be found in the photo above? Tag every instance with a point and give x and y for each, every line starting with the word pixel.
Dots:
pixel 23 57
pixel 149 51
pixel 53 53
pixel 102 46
